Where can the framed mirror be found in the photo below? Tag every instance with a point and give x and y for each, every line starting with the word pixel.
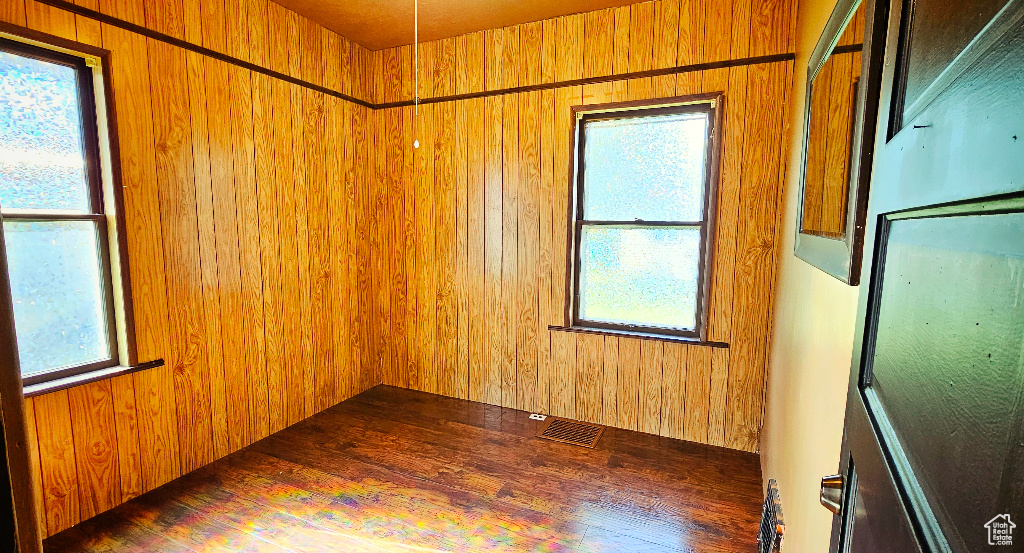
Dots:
pixel 843 84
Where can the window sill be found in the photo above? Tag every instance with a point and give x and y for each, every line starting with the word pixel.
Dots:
pixel 85 378
pixel 639 335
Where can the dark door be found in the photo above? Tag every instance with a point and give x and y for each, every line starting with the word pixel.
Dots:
pixel 933 454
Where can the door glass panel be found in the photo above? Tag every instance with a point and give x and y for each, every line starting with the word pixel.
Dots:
pixel 949 364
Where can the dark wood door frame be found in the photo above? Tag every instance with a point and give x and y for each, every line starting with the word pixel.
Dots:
pixel 19 531
pixel 866 432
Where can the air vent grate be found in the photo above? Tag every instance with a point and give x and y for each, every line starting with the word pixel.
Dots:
pixel 769 537
pixel 572 432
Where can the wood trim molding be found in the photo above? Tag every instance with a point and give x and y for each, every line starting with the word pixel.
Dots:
pixel 33 390
pixel 27 536
pixel 639 336
pixel 132 27
pixel 724 64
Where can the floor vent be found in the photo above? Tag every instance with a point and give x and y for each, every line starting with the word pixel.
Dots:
pixel 769 537
pixel 572 432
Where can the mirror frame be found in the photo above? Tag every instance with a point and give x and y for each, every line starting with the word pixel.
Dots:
pixel 841 257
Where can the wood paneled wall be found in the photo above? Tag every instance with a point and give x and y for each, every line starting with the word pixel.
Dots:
pixel 289 249
pixel 246 214
pixel 470 240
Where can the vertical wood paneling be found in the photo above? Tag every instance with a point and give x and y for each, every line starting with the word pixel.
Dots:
pixel 211 155
pixel 270 248
pixel 509 242
pixel 698 383
pixel 650 403
pixel 445 222
pixel 222 164
pixel 620 89
pixel 528 235
pixel 289 249
pixel 673 389
pixel 48 19
pixel 589 381
pixel 629 384
pixel 126 428
pixel 95 447
pixel 718 396
pixel 32 437
pixel 755 259
pixel 568 65
pixel 154 389
pixel 89 31
pixel 251 279
pixel 206 226
pixel 492 374
pixel 546 314
pixel 461 376
pixel 598 54
pixel 610 399
pixel 690 42
pixel 59 470
pixel 176 182
pixel 563 386
pixel 666 40
pixel 426 299
pixel 317 375
pixel 477 185
pixel 641 48
pixel 13 12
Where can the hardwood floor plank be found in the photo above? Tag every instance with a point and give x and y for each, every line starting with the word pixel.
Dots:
pixel 398 470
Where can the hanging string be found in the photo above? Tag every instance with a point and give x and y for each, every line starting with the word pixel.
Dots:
pixel 416 71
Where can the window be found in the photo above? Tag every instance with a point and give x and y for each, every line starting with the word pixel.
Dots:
pixel 55 225
pixel 642 217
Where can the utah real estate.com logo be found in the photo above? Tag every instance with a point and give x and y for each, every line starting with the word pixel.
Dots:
pixel 1000 530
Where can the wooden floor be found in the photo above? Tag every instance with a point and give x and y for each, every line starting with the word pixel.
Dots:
pixel 397 470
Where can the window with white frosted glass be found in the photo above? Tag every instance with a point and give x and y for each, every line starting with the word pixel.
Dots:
pixel 644 191
pixel 55 229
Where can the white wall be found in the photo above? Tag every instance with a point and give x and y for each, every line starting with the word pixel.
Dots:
pixel 812 343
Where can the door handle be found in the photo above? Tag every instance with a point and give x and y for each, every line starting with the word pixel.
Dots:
pixel 832 492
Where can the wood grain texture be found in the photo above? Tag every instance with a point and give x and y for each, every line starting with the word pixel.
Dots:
pixel 445 475
pixel 509 240
pixel 690 392
pixel 673 389
pixel 215 166
pixel 95 447
pixel 273 248
pixel 589 382
pixel 32 438
pixel 59 471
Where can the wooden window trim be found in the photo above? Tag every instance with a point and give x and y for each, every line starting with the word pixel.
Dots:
pixel 712 104
pixel 107 207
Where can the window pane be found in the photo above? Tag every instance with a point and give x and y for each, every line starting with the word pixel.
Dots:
pixel 644 277
pixel 58 303
pixel 649 168
pixel 42 159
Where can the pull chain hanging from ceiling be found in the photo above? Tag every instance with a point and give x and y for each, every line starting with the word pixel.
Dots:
pixel 416 71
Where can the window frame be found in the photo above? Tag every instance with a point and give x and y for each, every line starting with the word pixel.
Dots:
pixel 106 203
pixel 710 104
